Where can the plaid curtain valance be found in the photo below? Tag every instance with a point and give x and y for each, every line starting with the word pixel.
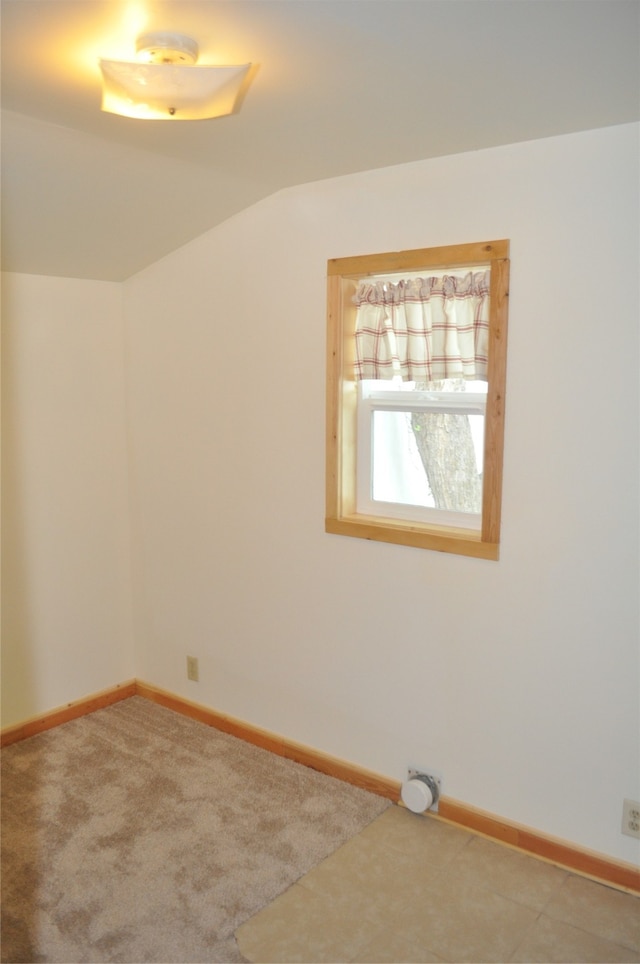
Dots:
pixel 423 329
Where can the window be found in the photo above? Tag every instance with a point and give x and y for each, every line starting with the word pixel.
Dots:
pixel 416 393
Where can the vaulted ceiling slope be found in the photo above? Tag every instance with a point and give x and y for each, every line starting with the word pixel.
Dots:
pixel 340 86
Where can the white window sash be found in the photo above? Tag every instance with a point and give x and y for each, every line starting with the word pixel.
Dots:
pixel 371 400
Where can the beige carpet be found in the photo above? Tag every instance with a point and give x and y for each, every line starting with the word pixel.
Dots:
pixel 138 835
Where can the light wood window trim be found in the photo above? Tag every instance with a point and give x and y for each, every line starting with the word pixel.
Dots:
pixel 341 515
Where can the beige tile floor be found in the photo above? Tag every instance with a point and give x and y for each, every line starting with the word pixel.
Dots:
pixel 413 889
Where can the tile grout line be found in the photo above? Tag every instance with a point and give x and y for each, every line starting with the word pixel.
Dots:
pixel 524 937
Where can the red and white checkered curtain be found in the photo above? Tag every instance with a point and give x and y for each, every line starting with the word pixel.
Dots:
pixel 423 329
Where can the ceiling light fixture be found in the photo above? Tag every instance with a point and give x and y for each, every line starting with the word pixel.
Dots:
pixel 165 83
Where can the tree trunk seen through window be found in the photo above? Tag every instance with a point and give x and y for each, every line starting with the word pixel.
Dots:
pixel 446 448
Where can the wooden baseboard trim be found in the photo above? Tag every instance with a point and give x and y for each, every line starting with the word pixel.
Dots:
pixel 563 853
pixel 560 852
pixel 70 711
pixel 314 759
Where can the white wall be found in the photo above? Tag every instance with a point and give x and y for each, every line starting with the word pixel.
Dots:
pixel 519 679
pixel 66 560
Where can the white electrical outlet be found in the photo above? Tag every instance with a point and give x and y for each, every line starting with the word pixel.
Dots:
pixel 631 818
pixel 193 672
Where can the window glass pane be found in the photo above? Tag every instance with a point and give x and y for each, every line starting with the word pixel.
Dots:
pixel 429 459
pixel 397 471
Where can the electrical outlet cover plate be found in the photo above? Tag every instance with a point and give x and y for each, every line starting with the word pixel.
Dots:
pixel 417 771
pixel 192 669
pixel 631 818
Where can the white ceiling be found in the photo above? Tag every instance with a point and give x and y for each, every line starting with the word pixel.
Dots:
pixel 340 86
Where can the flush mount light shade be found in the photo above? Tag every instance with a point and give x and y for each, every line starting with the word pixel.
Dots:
pixel 169 86
pixel 166 48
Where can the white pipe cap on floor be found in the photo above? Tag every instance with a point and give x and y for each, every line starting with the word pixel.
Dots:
pixel 416 795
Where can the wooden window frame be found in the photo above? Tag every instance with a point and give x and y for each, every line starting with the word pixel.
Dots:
pixel 341 516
